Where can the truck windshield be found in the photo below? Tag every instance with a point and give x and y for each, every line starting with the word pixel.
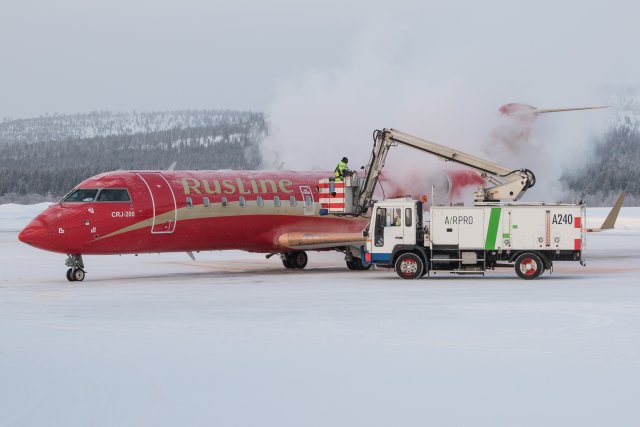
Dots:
pixel 81 195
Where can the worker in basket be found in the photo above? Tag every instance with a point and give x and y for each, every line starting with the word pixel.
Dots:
pixel 342 170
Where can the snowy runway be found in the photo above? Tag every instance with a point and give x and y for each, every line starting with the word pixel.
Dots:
pixel 234 339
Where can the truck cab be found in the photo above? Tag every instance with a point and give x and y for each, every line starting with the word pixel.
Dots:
pixel 396 225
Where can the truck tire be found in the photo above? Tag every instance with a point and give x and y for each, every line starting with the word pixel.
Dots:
pixel 409 265
pixel 529 266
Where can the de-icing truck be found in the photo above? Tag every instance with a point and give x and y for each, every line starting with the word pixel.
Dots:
pixel 471 240
pixel 497 231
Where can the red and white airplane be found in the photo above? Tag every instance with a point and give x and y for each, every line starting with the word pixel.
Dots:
pixel 125 212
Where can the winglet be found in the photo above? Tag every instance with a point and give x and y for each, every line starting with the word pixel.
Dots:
pixel 610 221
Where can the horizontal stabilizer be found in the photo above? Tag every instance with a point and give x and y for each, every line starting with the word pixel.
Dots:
pixel 515 109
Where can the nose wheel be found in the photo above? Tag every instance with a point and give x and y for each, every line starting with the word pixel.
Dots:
pixel 76 273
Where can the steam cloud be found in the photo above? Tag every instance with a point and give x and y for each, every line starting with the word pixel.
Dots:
pixel 442 71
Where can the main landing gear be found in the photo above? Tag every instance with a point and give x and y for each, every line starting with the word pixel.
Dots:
pixel 294 259
pixel 76 273
pixel 356 264
pixel 353 262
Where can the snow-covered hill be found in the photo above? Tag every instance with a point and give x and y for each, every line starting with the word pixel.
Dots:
pixel 43 158
pixel 106 123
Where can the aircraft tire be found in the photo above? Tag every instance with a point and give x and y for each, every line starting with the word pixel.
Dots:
pixel 299 259
pixel 70 276
pixel 356 265
pixel 78 275
pixel 287 263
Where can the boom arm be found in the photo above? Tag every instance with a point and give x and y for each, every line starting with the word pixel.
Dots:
pixel 508 184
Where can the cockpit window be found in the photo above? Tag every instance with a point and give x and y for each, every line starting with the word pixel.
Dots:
pixel 81 195
pixel 114 195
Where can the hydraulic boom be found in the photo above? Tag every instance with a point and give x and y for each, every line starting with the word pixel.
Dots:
pixel 508 184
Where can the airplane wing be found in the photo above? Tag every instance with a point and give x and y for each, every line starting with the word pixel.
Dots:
pixel 610 221
pixel 302 241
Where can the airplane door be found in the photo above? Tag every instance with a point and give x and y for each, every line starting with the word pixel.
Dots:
pixel 164 202
pixel 307 199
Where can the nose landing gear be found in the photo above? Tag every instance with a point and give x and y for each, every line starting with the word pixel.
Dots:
pixel 76 273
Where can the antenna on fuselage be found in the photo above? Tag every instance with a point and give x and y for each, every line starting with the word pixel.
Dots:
pixel 173 166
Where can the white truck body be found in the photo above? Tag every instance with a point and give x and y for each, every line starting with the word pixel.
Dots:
pixel 466 240
pixel 507 227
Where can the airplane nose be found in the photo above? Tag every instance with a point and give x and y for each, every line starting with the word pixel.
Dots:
pixel 34 233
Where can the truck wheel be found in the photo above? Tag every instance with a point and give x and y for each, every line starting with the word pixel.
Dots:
pixel 529 266
pixel 409 266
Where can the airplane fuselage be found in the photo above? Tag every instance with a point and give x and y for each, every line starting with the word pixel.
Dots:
pixel 125 212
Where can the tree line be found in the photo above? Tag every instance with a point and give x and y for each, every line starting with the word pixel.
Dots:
pixel 46 168
pixel 612 168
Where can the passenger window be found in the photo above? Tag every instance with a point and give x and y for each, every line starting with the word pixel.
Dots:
pixel 206 202
pixel 243 202
pixel 259 201
pixel 407 217
pixel 113 195
pixel 276 201
pixel 307 200
pixel 189 202
pixel 223 202
pixel 293 201
pixel 81 195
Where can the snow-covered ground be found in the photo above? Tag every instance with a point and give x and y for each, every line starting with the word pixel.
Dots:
pixel 235 340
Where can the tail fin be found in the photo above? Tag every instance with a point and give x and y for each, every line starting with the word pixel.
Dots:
pixel 610 221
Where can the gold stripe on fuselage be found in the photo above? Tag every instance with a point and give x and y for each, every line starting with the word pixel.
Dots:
pixel 216 210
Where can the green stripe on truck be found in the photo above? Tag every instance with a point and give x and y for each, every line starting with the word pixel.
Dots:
pixel 492 231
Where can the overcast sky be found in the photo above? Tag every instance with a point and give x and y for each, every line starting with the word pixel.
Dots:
pixel 78 55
